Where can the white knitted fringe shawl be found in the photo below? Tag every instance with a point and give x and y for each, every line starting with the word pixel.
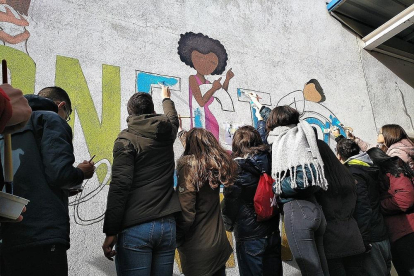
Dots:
pixel 293 146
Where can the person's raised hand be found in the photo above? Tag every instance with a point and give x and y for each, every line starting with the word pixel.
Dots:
pixel 21 110
pixel 88 168
pixel 180 125
pixel 108 246
pixel 217 84
pixel 165 92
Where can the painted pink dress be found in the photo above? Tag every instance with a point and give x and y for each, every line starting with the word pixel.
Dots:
pixel 202 115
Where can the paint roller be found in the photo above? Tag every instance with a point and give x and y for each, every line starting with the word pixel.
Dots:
pixel 8 159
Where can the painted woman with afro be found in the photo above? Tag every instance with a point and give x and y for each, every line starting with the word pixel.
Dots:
pixel 208 57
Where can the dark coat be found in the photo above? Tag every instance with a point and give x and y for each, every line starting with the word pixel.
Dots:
pixel 397 204
pixel 238 206
pixel 142 186
pixel 43 164
pixel 368 185
pixel 201 238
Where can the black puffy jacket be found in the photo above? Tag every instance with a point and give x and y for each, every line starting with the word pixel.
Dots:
pixel 238 207
pixel 369 178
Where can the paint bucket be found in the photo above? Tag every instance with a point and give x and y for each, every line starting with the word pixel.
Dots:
pixel 11 206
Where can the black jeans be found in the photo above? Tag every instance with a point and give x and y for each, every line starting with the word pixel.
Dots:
pixel 402 251
pixel 48 260
pixel 305 225
pixel 347 266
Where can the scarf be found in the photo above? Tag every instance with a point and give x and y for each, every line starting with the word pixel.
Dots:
pixel 293 146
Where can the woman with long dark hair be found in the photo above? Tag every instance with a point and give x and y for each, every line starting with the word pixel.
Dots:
pixel 201 238
pixel 297 168
pixel 397 205
pixel 393 140
pixel 343 243
pixel 258 244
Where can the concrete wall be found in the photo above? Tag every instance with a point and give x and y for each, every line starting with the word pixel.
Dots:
pixel 102 51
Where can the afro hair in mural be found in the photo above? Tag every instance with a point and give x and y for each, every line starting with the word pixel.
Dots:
pixel 190 42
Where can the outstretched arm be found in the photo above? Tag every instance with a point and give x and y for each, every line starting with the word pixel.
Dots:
pixel 8 16
pixel 229 76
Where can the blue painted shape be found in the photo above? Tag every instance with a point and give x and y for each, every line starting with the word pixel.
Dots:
pixel 145 80
pixel 197 118
pixel 334 4
pixel 319 123
pixel 175 179
pixel 239 92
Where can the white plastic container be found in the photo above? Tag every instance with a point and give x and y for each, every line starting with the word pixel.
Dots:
pixel 11 206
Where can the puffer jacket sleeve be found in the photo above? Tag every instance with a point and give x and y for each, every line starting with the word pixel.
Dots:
pixel 54 137
pixel 400 196
pixel 261 128
pixel 122 177
pixel 363 211
pixel 230 206
pixel 187 196
pixel 265 112
pixel 170 111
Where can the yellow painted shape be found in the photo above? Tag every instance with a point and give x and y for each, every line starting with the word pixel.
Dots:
pixel 99 134
pixel 286 253
pixel 22 68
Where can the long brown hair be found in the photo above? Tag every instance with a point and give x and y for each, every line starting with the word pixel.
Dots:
pixel 282 116
pixel 393 133
pixel 247 141
pixel 211 162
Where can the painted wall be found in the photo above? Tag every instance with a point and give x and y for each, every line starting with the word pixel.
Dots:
pixel 101 52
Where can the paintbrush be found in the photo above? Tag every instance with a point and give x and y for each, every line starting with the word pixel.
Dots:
pixel 8 159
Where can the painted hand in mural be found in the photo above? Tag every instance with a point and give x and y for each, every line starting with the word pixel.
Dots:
pixel 8 16
pixel 217 84
pixel 108 245
pixel 21 109
pixel 229 76
pixel 255 100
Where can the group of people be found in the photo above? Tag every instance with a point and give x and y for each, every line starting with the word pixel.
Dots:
pixel 345 213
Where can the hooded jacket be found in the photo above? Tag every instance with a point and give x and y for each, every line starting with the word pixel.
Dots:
pixel 142 186
pixel 238 206
pixel 369 180
pixel 43 164
pixel 404 149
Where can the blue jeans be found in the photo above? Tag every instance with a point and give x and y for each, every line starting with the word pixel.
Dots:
pixel 147 249
pixel 305 225
pixel 260 256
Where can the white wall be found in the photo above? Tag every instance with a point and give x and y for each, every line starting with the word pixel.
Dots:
pixel 273 46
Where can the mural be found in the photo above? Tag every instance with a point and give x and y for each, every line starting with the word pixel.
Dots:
pixel 208 57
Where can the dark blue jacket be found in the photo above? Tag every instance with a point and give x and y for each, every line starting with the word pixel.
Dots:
pixel 43 163
pixel 237 205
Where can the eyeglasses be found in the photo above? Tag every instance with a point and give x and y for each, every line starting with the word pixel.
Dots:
pixel 67 112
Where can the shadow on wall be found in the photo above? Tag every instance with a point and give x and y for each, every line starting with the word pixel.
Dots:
pixel 403 69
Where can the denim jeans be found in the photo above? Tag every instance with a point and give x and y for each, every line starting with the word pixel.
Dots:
pixel 260 256
pixel 147 249
pixel 378 261
pixel 305 225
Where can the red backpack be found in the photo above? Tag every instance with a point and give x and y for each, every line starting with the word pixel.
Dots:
pixel 264 199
